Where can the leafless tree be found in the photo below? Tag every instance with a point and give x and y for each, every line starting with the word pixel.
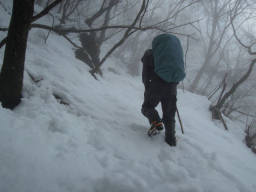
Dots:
pixel 67 8
pixel 164 25
pixel 216 109
pixel 137 24
pixel 217 27
pixel 11 76
pixel 174 16
pixel 93 41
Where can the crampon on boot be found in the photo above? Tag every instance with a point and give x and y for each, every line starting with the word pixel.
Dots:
pixel 155 128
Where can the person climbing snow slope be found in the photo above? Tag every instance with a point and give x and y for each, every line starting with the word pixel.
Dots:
pixel 163 69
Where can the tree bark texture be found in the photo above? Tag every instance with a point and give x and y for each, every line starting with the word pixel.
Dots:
pixel 11 76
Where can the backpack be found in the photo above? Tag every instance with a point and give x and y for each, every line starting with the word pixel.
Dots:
pixel 168 58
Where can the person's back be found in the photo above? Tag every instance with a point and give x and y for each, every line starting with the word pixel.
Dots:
pixel 148 71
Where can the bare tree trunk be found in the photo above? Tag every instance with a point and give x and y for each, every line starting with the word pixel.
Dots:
pixel 64 12
pixel 216 109
pixel 213 73
pixel 207 59
pixel 217 10
pixel 11 76
pixel 236 85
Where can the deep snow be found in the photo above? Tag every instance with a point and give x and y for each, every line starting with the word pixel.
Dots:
pixel 98 142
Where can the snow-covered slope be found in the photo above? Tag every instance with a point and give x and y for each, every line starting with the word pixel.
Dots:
pixel 98 141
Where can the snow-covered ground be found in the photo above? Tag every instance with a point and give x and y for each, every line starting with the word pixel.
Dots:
pixel 98 141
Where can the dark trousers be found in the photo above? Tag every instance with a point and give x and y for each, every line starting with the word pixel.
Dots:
pixel 164 93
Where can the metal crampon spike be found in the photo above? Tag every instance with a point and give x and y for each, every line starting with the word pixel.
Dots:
pixel 152 131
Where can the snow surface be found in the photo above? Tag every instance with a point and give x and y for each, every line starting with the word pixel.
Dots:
pixel 98 142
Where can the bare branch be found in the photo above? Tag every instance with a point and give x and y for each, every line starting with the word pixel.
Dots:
pixel 248 47
pixel 183 8
pixel 223 122
pixel 184 24
pixel 74 8
pixel 143 6
pixel 186 53
pixel 236 85
pixel 247 114
pixel 60 30
pixel 70 41
pixel 144 12
pixel 125 36
pixel 101 11
pixel 34 18
pixel 45 11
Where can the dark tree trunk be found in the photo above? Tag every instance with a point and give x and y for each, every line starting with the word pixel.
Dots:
pixel 216 109
pixel 11 76
pixel 223 99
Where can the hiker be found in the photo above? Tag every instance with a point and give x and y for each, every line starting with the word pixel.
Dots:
pixel 163 68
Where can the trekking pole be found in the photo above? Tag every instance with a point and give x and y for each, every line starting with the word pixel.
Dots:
pixel 181 126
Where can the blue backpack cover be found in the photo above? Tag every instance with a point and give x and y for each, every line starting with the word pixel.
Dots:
pixel 168 58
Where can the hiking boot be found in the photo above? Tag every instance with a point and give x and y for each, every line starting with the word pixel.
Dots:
pixel 170 134
pixel 152 131
pixel 171 141
pixel 157 125
pixel 155 128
